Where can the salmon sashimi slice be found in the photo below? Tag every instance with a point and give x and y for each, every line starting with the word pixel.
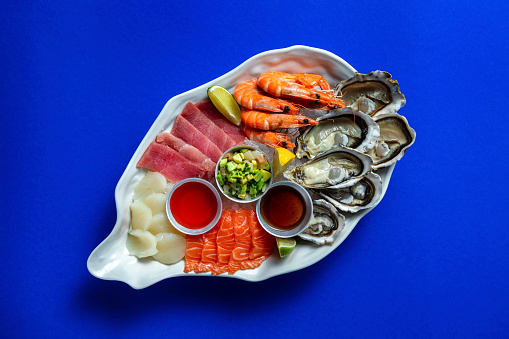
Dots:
pixel 193 254
pixel 209 251
pixel 263 242
pixel 242 240
pixel 225 238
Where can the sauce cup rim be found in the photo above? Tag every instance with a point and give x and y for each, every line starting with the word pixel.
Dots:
pixel 281 233
pixel 207 227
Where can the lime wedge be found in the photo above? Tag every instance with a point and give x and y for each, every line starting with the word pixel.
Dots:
pixel 282 159
pixel 285 246
pixel 225 103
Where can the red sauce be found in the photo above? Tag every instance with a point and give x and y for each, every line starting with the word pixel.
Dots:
pixel 193 205
pixel 282 207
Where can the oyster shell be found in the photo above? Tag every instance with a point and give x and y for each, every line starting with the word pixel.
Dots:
pixel 325 224
pixel 372 93
pixel 396 136
pixel 365 193
pixel 336 168
pixel 344 127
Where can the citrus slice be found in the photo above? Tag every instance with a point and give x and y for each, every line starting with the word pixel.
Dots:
pixel 225 103
pixel 282 159
pixel 285 246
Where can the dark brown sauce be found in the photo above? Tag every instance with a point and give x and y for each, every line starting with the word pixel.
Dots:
pixel 282 207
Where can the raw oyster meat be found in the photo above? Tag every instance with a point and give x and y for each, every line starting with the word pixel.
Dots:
pixel 365 193
pixel 325 224
pixel 396 136
pixel 372 93
pixel 340 167
pixel 344 127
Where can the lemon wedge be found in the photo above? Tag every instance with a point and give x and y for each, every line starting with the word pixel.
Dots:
pixel 285 246
pixel 225 103
pixel 282 159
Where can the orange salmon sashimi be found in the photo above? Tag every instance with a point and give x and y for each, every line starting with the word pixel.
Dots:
pixel 237 242
pixel 194 246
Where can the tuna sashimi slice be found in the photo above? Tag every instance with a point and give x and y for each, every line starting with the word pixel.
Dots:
pixel 211 112
pixel 170 163
pixel 188 151
pixel 207 127
pixel 184 130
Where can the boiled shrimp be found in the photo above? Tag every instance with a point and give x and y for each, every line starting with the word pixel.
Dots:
pixel 299 86
pixel 272 121
pixel 269 138
pixel 248 95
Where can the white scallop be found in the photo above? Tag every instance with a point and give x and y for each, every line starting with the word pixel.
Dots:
pixel 141 216
pixel 170 248
pixel 141 244
pixel 161 224
pixel 150 183
pixel 156 202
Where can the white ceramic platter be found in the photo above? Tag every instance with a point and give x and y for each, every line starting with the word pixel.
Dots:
pixel 111 260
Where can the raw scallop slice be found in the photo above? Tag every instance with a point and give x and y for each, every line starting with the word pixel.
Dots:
pixel 170 163
pixel 207 127
pixel 170 248
pixel 211 112
pixel 141 215
pixel 156 202
pixel 141 244
pixel 161 224
pixel 150 183
pixel 184 130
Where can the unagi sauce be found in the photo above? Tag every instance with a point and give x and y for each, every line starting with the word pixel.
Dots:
pixel 193 205
pixel 282 207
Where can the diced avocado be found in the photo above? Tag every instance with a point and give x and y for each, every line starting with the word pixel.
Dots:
pixel 223 162
pixel 264 188
pixel 257 176
pixel 240 166
pixel 260 184
pixel 249 176
pixel 243 180
pixel 266 175
pixel 243 188
pixel 244 150
pixel 232 180
pixel 242 195
pixel 252 191
pixel 230 166
pixel 220 179
pixel 237 158
pixel 255 164
pixel 267 166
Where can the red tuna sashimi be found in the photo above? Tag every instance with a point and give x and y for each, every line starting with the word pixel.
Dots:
pixel 207 127
pixel 242 241
pixel 225 241
pixel 211 112
pixel 188 151
pixel 194 247
pixel 170 163
pixel 184 130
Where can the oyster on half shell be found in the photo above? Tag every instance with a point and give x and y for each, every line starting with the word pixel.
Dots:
pixel 339 167
pixel 396 136
pixel 365 193
pixel 344 127
pixel 325 224
pixel 372 93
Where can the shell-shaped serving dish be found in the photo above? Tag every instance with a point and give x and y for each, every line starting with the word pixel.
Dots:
pixel 111 259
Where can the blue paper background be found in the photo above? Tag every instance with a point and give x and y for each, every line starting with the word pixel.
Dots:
pixel 81 83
